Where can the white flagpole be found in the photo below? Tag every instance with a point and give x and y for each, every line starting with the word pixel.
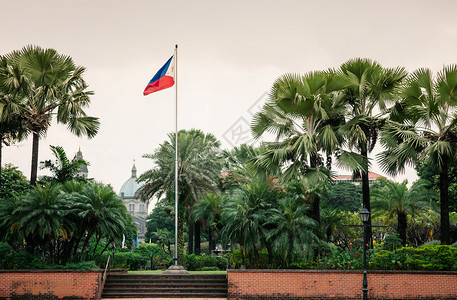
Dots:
pixel 176 155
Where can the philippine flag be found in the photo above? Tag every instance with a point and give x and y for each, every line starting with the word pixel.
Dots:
pixel 163 79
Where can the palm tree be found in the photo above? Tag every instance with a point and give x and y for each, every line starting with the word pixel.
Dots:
pixel 244 217
pixel 396 200
pixel 198 173
pixel 424 127
pixel 62 168
pixel 12 125
pixel 102 214
pixel 292 228
pixel 304 112
pixel 240 167
pixel 208 210
pixel 41 218
pixel 371 88
pixel 52 85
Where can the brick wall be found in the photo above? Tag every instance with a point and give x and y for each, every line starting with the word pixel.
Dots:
pixel 50 284
pixel 317 284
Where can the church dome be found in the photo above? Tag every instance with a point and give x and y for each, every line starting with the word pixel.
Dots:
pixel 130 187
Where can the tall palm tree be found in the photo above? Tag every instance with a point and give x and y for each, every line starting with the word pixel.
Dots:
pixel 396 200
pixel 12 125
pixel 198 173
pixel 52 85
pixel 370 90
pixel 424 126
pixel 63 169
pixel 303 113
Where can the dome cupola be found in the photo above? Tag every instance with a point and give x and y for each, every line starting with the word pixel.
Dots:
pixel 130 187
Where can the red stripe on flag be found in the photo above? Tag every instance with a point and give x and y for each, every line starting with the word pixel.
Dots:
pixel 162 83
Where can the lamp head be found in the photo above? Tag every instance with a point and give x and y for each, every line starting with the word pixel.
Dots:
pixel 364 215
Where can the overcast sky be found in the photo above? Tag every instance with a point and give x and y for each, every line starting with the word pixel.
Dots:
pixel 230 53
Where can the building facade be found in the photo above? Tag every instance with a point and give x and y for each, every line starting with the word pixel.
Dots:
pixel 137 208
pixel 372 176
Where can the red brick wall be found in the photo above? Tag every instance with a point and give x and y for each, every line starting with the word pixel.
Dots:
pixel 316 284
pixel 50 284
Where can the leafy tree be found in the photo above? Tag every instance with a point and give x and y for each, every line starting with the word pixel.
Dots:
pixel 343 196
pixel 428 173
pixel 63 169
pixel 396 200
pixel 199 168
pixel 51 84
pixel 158 219
pixel 13 183
pixel 424 127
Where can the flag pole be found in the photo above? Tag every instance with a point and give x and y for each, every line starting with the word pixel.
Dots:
pixel 176 155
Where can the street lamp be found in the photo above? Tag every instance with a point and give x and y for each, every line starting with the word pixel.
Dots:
pixel 365 216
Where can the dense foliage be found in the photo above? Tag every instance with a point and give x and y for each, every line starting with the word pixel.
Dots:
pixel 12 182
pixel 57 222
pixel 272 206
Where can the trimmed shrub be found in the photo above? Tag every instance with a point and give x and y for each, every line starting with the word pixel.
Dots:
pixel 427 258
pixel 209 269
pixel 195 262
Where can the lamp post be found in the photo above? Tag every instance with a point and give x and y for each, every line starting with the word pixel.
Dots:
pixel 365 216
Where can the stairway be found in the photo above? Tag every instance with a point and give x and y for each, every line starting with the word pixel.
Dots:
pixel 165 286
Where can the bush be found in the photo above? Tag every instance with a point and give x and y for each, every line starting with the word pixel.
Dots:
pixel 23 260
pixel 5 252
pixel 428 258
pixel 209 269
pixel 83 265
pixel 342 260
pixel 196 262
pixel 392 242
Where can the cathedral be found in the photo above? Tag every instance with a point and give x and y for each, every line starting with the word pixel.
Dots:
pixel 137 208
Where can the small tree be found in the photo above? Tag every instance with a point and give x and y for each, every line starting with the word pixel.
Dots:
pixel 62 168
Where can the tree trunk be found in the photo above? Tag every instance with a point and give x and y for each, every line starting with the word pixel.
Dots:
pixel 366 191
pixel 34 171
pixel 1 149
pixel 315 209
pixel 197 240
pixel 210 239
pixel 190 233
pixel 401 226
pixel 444 203
pixel 315 212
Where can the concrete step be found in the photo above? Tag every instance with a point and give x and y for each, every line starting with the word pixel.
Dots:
pixel 165 286
pixel 164 295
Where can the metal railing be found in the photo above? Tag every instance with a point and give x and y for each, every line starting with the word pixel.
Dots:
pixel 107 268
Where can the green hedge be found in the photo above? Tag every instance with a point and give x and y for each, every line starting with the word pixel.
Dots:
pixel 196 262
pixel 427 258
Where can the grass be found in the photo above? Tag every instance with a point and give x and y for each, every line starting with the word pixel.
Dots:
pixel 192 272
